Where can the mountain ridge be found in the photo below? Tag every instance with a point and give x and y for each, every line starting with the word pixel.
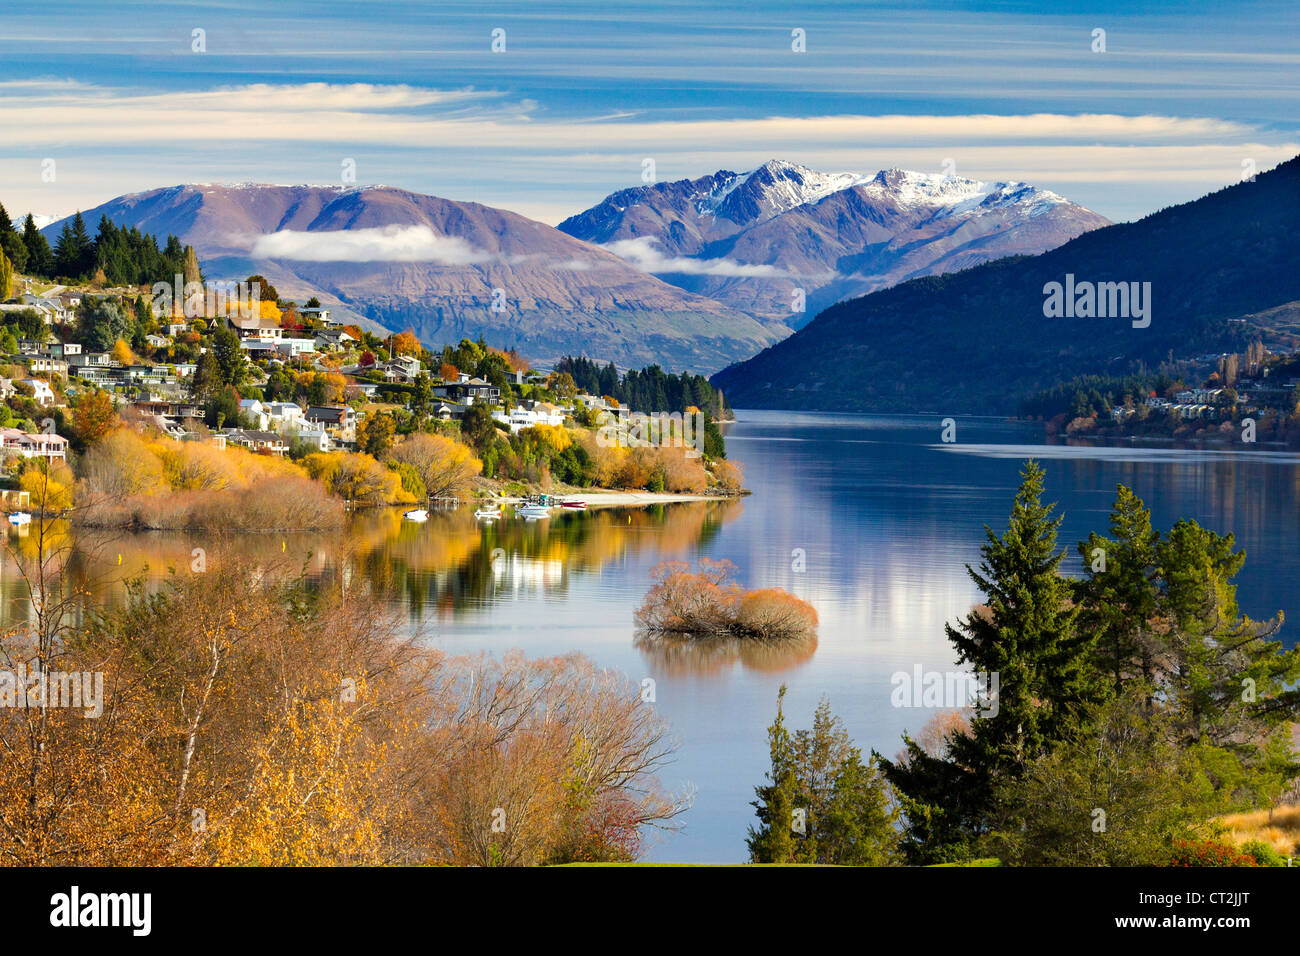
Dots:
pixel 759 241
pixel 977 340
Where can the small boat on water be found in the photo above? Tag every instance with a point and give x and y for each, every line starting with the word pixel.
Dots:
pixel 416 514
pixel 533 511
pixel 19 518
pixel 491 511
pixel 574 505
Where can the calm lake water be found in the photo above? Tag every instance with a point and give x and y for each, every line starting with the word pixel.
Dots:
pixel 886 517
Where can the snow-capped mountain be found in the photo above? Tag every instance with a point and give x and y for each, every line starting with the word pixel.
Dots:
pixel 753 240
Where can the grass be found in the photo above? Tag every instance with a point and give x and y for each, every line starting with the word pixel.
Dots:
pixel 984 861
pixel 1282 832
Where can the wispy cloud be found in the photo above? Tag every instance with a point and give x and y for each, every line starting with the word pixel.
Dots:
pixel 494 147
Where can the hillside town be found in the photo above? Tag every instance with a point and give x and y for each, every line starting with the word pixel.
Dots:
pixel 156 377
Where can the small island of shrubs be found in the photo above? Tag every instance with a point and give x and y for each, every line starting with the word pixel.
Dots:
pixel 708 604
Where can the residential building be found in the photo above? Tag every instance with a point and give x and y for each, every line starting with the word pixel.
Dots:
pixel 257 440
pixel 35 445
pixel 339 420
pixel 44 365
pixel 254 411
pixel 331 339
pixel 41 391
pixel 321 313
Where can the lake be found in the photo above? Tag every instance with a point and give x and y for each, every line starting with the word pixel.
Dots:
pixel 880 515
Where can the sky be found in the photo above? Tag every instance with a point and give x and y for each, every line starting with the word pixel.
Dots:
pixel 105 98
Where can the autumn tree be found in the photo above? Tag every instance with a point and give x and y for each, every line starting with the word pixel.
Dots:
pixel 6 278
pixel 93 417
pixel 445 466
pixel 122 353
pixel 406 343
pixel 375 433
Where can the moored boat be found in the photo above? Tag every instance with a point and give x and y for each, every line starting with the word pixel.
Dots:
pixel 574 505
pixel 491 511
pixel 533 511
pixel 416 514
pixel 19 518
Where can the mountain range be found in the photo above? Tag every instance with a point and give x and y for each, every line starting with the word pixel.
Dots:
pixel 603 284
pixel 449 270
pixel 750 240
pixel 1213 274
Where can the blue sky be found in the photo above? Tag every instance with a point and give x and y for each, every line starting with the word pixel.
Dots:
pixel 412 93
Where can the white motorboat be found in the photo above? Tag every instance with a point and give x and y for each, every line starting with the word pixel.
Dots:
pixel 491 511
pixel 533 511
pixel 19 518
pixel 416 514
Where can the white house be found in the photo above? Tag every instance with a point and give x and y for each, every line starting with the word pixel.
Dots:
pixel 540 413
pixel 255 412
pixel 318 313
pixel 315 437
pixel 293 347
pixel 41 391
pixel 283 413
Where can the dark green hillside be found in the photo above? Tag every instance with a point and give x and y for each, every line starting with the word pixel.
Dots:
pixel 977 341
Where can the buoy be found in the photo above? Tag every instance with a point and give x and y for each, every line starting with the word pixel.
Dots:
pixel 282 546
pixel 119 559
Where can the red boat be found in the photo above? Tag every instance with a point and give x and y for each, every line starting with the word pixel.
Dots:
pixel 574 505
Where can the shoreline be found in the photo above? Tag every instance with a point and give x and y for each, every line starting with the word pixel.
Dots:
pixel 611 499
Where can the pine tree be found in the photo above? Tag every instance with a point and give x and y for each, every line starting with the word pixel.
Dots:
pixel 85 249
pixel 74 253
pixel 12 243
pixel 773 840
pixel 230 356
pixel 1119 595
pixel 40 259
pixel 1227 683
pixel 1026 635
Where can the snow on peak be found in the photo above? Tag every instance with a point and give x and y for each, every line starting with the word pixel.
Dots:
pixel 779 185
pixel 773 188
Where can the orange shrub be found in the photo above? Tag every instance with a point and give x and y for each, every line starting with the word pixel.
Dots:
pixel 708 604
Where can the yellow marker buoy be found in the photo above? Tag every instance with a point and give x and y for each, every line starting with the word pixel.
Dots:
pixel 282 546
pixel 119 559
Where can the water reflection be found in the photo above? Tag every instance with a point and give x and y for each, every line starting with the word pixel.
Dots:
pixel 452 564
pixel 675 656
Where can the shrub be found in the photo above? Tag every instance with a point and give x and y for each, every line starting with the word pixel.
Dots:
pixel 1208 853
pixel 728 475
pixel 1262 853
pixel 445 466
pixel 708 604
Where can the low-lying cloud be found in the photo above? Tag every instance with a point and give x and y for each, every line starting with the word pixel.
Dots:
pixel 642 252
pixel 380 244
